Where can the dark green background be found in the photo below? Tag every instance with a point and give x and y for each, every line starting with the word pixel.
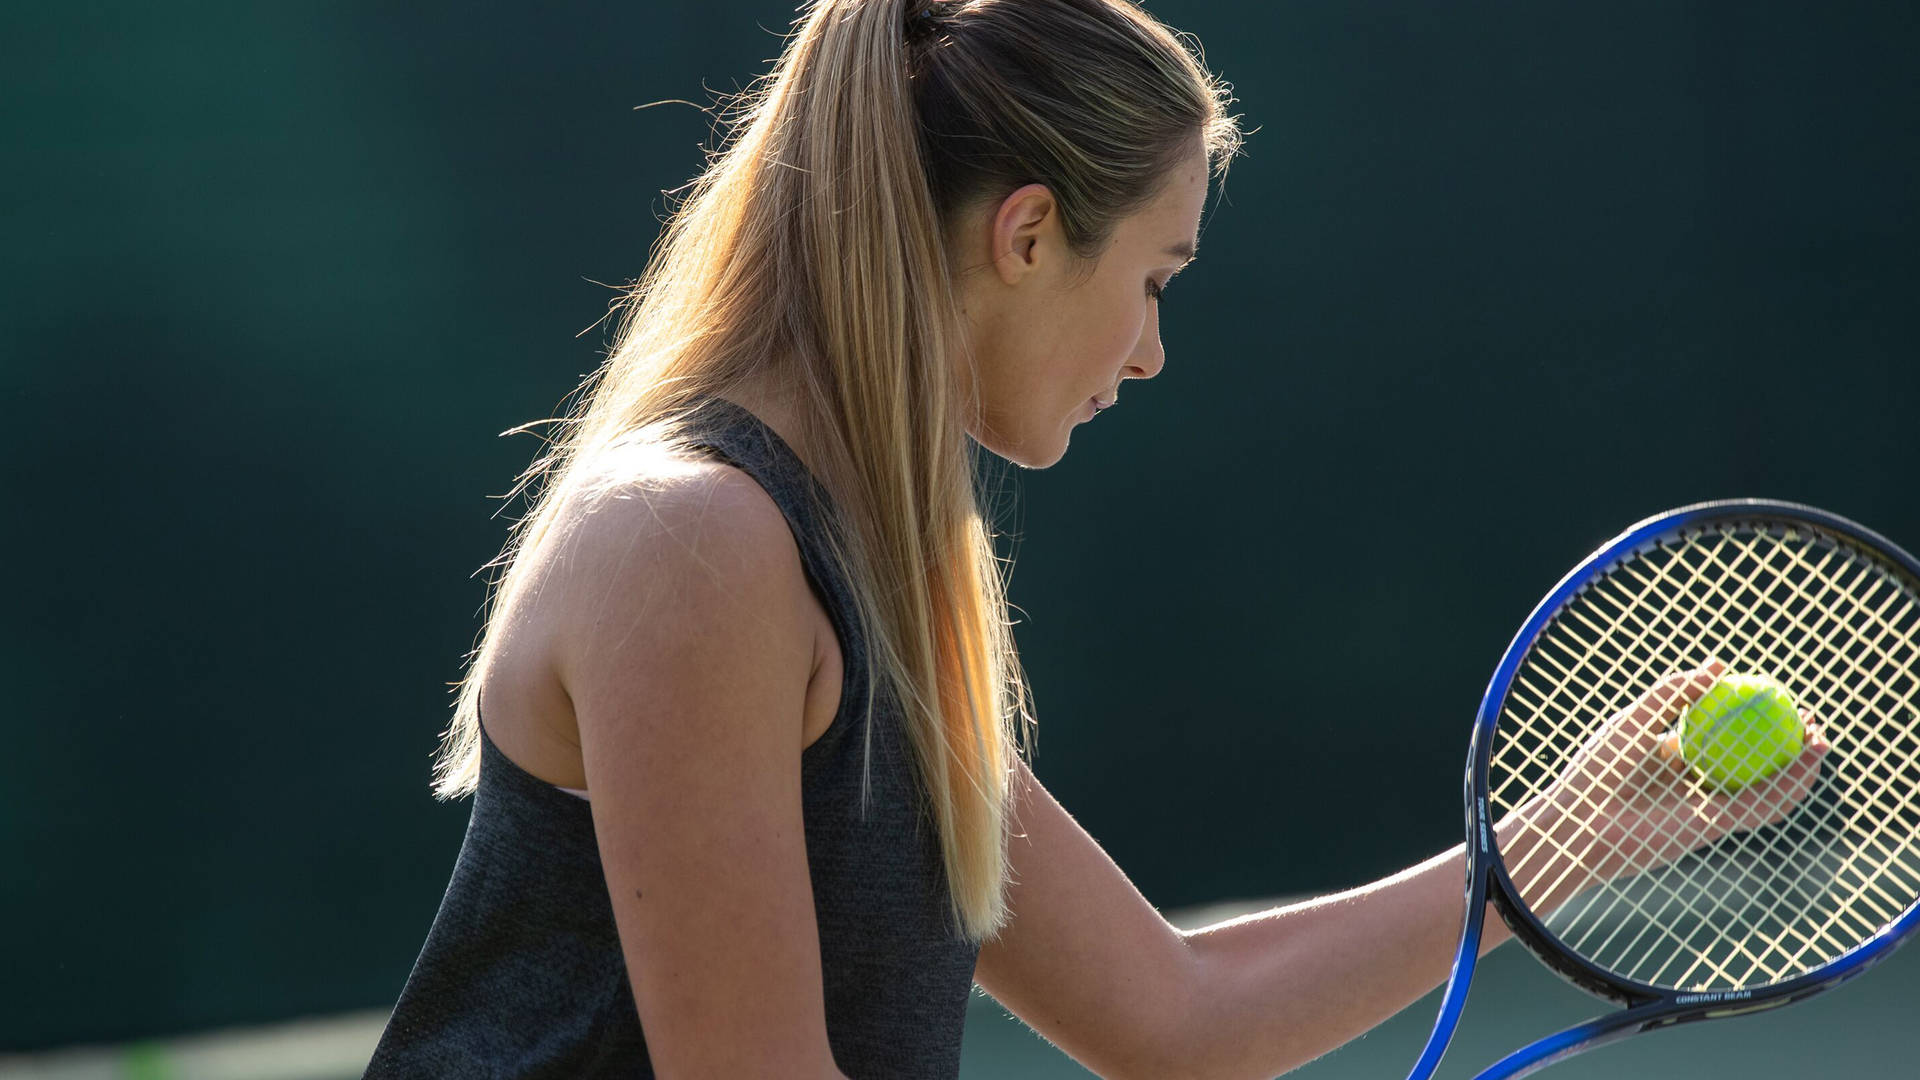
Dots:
pixel 1490 282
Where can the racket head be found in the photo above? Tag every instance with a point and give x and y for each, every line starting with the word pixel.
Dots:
pixel 1697 971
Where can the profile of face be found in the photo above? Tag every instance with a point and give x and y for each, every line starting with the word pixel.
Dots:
pixel 1047 336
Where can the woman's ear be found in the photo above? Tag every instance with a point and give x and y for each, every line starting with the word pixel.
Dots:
pixel 1026 223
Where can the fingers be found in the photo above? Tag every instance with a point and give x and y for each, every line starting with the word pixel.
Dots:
pixel 1616 751
pixel 1663 702
pixel 1816 738
pixel 1669 745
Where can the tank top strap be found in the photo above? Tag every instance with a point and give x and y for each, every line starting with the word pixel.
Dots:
pixel 743 440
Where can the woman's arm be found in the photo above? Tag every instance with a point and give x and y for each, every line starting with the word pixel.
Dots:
pixel 1085 960
pixel 1278 988
pixel 1090 965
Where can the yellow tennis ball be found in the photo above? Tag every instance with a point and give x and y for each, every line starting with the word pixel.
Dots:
pixel 1743 729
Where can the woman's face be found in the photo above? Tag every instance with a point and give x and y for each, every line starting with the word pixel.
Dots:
pixel 1047 336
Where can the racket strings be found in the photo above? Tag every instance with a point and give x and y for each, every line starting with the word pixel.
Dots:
pixel 1597 696
pixel 1732 600
pixel 1733 597
pixel 1737 598
pixel 1861 901
pixel 1761 905
pixel 1660 921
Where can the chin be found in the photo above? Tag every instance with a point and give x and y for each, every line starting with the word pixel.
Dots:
pixel 1029 453
pixel 1045 462
pixel 1047 454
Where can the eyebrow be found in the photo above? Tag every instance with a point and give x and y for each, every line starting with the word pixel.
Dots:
pixel 1187 249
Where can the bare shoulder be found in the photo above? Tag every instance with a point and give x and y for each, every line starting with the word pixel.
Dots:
pixel 664 549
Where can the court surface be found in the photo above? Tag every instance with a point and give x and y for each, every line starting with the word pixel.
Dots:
pixel 1863 1028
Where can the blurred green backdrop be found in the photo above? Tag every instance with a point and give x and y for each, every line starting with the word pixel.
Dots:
pixel 1489 283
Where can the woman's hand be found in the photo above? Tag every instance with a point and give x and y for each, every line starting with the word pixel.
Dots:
pixel 1627 803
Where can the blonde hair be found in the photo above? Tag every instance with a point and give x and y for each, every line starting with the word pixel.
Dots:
pixel 812 250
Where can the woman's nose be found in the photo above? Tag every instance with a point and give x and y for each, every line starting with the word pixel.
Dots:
pixel 1148 355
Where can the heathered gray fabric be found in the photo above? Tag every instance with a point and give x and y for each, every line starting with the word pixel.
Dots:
pixel 522 975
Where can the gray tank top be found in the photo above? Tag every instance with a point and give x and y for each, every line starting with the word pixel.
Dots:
pixel 522 976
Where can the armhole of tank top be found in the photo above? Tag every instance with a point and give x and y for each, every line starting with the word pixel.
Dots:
pixel 846 707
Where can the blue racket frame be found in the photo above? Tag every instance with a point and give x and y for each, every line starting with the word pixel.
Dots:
pixel 1647 1007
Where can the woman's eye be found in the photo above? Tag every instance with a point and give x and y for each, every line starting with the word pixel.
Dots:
pixel 1155 292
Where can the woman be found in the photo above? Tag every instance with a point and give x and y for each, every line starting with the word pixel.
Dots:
pixel 742 729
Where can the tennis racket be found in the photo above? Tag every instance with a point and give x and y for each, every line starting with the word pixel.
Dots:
pixel 1617 864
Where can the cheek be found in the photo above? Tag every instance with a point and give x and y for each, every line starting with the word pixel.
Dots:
pixel 1064 350
pixel 1119 330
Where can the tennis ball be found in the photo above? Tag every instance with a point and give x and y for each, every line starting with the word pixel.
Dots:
pixel 1742 729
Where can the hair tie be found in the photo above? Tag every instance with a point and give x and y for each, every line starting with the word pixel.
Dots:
pixel 924 19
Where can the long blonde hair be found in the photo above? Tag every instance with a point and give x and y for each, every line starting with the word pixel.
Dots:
pixel 813 251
